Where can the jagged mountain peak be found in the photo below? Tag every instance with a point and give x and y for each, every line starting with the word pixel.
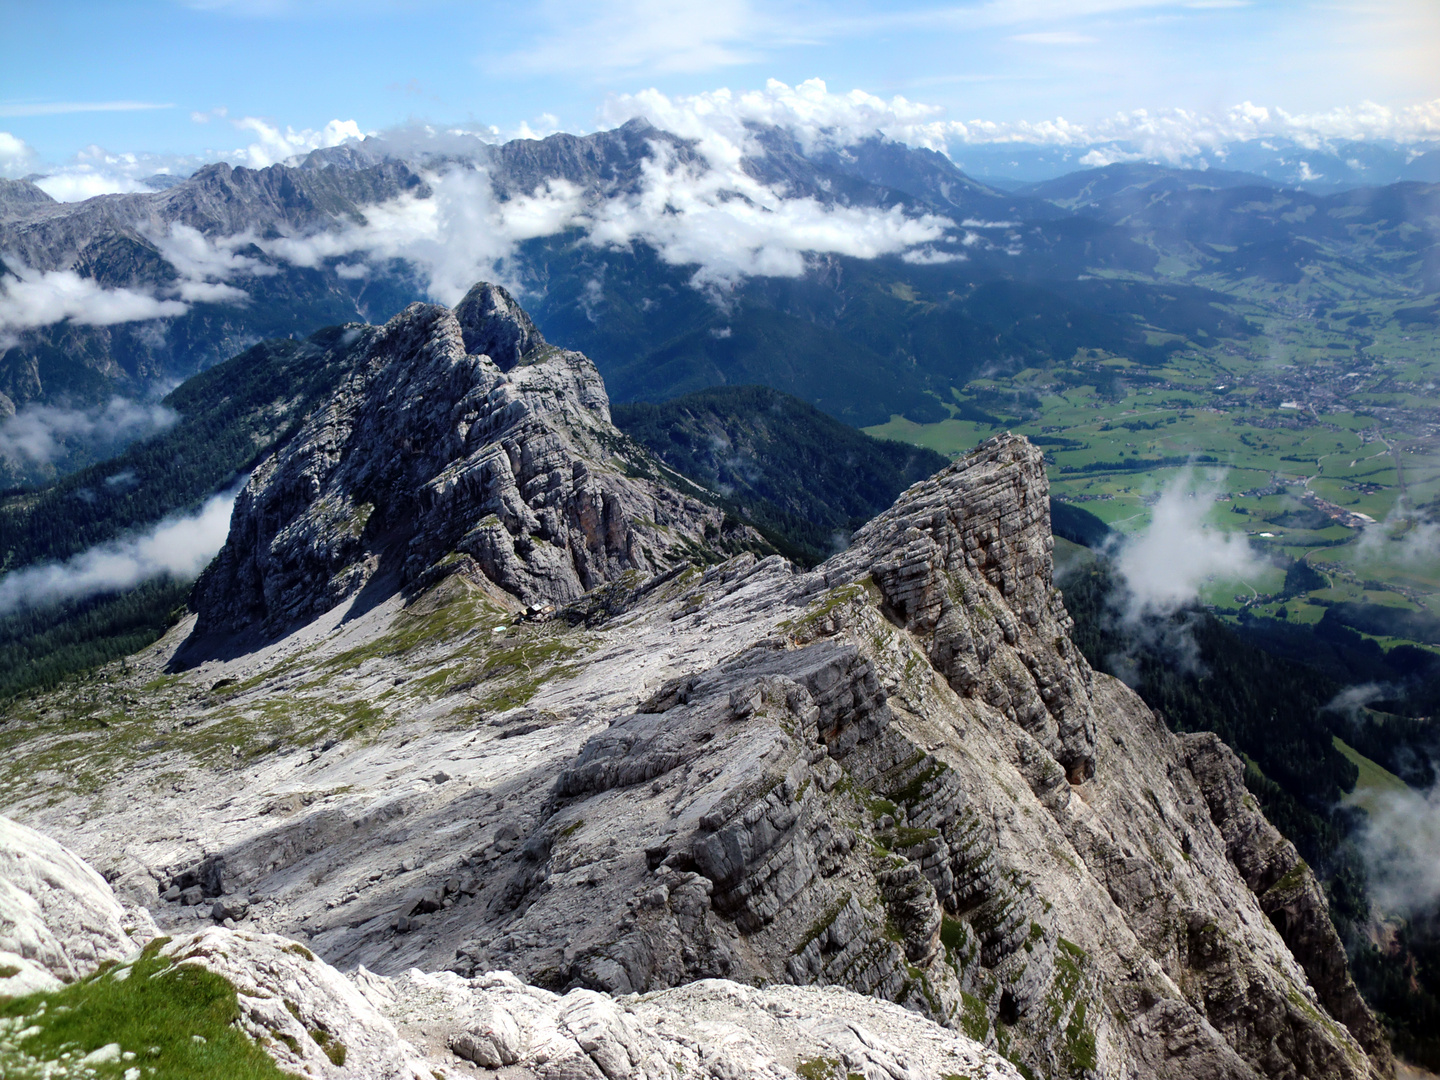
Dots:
pixel 493 324
pixel 20 196
pixel 460 436
pixel 986 518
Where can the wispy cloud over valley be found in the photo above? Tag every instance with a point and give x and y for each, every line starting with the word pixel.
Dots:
pixel 178 547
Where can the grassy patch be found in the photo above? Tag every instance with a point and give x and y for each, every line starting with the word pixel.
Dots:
pixel 175 1022
pixel 1374 782
pixel 905 837
pixel 823 923
pixel 448 612
pixel 1064 1003
pixel 823 608
pixel 952 932
pixel 913 791
pixel 975 1021
pixel 1292 879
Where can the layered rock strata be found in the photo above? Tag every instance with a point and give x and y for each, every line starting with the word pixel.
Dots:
pixel 893 774
pixel 460 436
pixel 318 1023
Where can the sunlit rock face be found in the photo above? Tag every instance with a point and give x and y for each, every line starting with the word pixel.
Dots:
pixel 462 435
pixel 316 1022
pixel 893 773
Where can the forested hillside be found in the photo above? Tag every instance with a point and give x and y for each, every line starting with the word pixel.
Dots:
pixel 800 476
pixel 230 417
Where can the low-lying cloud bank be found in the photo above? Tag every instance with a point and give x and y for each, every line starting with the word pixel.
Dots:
pixel 1166 564
pixel 712 215
pixel 178 547
pixel 1401 845
pixel 43 433
pixel 818 116
pixel 1404 537
pixel 709 213
pixel 97 171
pixel 706 211
pixel 33 298
pixel 1162 569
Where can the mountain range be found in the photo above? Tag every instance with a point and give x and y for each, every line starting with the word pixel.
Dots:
pixel 507 636
pixel 477 683
pixel 869 279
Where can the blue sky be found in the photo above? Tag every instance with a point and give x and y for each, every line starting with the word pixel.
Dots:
pixel 75 74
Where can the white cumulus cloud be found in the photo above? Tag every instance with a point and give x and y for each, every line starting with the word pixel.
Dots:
pixel 97 171
pixel 81 183
pixel 1402 849
pixel 814 113
pixel 721 119
pixel 1178 135
pixel 177 547
pixel 32 298
pixel 16 157
pixel 457 234
pixel 708 213
pixel 41 433
pixel 733 226
pixel 273 145
pixel 1166 564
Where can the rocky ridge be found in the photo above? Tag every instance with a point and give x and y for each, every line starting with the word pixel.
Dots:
pixel 893 774
pixel 462 443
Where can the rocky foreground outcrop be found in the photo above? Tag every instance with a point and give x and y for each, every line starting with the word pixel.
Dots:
pixel 58 918
pixel 893 774
pixel 61 921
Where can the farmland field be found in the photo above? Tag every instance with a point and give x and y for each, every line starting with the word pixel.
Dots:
pixel 1318 440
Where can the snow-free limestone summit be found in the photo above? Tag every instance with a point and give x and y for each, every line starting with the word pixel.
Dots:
pixel 893 773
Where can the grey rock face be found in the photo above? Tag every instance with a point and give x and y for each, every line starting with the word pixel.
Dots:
pixel 492 324
pixel 218 201
pixel 434 457
pixel 1289 892
pixel 20 197
pixel 117 240
pixel 317 1023
pixel 58 918
pixel 893 774
pixel 990 521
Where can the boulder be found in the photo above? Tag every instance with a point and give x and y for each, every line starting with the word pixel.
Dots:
pixel 59 919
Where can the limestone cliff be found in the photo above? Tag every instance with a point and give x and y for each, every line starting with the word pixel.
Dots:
pixel 893 774
pixel 318 1024
pixel 462 436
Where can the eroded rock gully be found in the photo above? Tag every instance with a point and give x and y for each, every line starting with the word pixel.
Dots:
pixel 893 774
